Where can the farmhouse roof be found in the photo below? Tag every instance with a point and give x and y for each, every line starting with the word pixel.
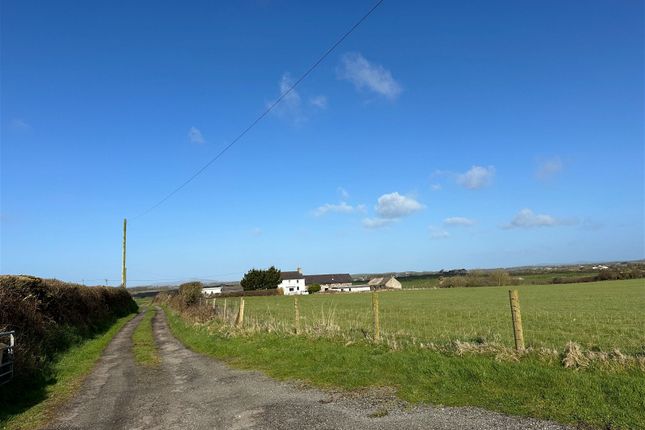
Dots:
pixel 291 275
pixel 379 281
pixel 338 278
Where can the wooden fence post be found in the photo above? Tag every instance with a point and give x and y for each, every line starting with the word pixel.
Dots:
pixel 214 305
pixel 297 314
pixel 516 314
pixel 240 314
pixel 375 316
pixel 224 309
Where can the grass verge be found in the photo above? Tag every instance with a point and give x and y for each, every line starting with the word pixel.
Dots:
pixel 68 372
pixel 527 387
pixel 144 347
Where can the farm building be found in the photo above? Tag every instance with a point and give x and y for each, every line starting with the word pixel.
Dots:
pixel 216 289
pixel 296 282
pixel 330 281
pixel 389 282
pixel 349 288
pixel 292 283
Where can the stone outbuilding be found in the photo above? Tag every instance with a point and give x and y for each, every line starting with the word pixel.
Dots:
pixel 386 282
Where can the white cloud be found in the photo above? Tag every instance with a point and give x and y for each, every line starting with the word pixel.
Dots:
pixel 458 221
pixel 373 223
pixel 319 102
pixel 365 75
pixel 256 232
pixel 526 218
pixel 195 136
pixel 437 233
pixel 341 207
pixel 477 177
pixel 436 187
pixel 547 169
pixel 291 104
pixel 344 195
pixel 394 205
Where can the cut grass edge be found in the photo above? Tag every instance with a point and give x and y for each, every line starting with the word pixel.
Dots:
pixel 531 388
pixel 70 369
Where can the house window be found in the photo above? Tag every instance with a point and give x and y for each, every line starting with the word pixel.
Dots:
pixel 290 289
pixel 298 288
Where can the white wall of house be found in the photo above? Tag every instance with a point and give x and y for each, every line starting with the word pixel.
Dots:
pixel 352 289
pixel 211 291
pixel 327 287
pixel 292 287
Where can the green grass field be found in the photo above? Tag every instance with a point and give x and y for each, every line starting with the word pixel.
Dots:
pixel 600 315
pixel 590 398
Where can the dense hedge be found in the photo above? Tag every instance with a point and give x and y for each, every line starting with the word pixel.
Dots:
pixel 49 316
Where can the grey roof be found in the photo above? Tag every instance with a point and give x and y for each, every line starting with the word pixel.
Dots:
pixel 338 278
pixel 291 275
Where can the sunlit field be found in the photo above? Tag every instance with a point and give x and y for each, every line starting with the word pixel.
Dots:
pixel 601 315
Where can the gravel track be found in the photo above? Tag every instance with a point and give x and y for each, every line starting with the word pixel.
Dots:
pixel 192 391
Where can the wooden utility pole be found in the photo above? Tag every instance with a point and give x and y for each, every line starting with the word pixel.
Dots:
pixel 123 269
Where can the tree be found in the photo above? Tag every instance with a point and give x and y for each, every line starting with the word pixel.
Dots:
pixel 256 279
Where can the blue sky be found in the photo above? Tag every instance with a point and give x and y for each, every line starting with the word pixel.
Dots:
pixel 438 135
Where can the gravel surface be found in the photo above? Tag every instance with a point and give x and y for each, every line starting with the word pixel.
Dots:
pixel 192 391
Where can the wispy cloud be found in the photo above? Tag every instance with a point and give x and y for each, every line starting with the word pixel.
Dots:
pixel 319 102
pixel 436 187
pixel 458 221
pixel 344 195
pixel 373 223
pixel 341 207
pixel 256 232
pixel 548 169
pixel 19 124
pixel 394 205
pixel 195 136
pixel 526 218
pixel 368 76
pixel 477 177
pixel 290 106
pixel 437 233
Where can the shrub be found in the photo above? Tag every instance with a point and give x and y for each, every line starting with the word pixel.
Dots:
pixel 49 316
pixel 313 288
pixel 191 292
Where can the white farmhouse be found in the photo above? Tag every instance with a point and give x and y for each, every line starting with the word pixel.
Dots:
pixel 293 283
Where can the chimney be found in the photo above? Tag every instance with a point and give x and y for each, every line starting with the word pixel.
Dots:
pixel 299 270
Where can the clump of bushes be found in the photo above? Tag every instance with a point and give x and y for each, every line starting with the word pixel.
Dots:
pixel 49 316
pixel 313 288
pixel 191 292
pixel 479 279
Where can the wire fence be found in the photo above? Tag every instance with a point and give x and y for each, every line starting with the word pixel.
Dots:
pixel 603 322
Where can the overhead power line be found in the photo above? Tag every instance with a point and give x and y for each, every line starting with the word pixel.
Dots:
pixel 264 113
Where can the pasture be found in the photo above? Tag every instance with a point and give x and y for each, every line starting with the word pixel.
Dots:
pixel 598 316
